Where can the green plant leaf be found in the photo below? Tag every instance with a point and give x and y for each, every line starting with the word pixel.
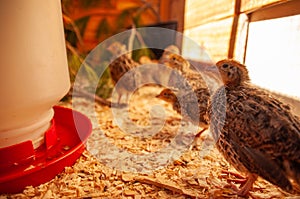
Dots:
pixel 81 23
pixel 103 28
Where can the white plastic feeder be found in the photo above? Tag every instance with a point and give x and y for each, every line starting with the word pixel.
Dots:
pixel 34 72
pixel 33 78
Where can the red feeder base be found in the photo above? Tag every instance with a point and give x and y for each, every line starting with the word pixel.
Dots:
pixel 22 165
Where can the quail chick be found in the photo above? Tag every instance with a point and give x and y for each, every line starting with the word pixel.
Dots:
pixel 190 104
pixel 121 64
pixel 193 79
pixel 160 75
pixel 190 84
pixel 178 62
pixel 259 135
pixel 172 49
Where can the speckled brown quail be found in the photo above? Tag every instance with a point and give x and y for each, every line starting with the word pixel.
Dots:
pixel 160 74
pixel 193 79
pixel 258 134
pixel 178 62
pixel 192 88
pixel 191 105
pixel 121 64
pixel 165 57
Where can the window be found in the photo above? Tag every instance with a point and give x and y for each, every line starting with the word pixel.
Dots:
pixel 273 48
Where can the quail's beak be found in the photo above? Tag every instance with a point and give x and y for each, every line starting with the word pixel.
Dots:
pixel 159 95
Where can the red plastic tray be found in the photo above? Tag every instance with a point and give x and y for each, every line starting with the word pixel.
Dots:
pixel 22 165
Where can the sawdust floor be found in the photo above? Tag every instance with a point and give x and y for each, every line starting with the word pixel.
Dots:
pixel 156 159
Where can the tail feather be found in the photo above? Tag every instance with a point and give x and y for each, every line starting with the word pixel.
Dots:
pixel 292 170
pixel 295 175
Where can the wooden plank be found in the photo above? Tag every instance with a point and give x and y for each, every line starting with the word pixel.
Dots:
pixel 164 10
pixel 281 10
pixel 202 11
pixel 213 37
pixel 177 8
pixel 248 6
pixel 236 16
pixel 241 38
pixel 173 10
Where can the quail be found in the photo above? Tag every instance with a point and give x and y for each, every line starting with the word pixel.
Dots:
pixel 193 91
pixel 191 105
pixel 193 79
pixel 258 134
pixel 121 64
pixel 160 74
pixel 171 49
pixel 178 62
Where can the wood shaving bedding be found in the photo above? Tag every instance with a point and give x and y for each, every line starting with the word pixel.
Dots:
pixel 194 173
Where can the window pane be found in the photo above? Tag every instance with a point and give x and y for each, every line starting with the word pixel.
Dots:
pixel 273 54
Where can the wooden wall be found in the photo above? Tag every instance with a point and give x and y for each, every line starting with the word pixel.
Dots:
pixel 167 10
pixel 220 26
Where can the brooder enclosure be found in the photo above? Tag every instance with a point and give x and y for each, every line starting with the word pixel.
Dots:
pixel 198 172
pixel 158 139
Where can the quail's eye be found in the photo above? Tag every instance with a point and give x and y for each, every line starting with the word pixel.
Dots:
pixel 225 65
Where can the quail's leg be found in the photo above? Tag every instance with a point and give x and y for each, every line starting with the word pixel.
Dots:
pixel 119 97
pixel 240 179
pixel 246 187
pixel 127 98
pixel 251 178
pixel 200 132
pixel 119 104
pixel 196 138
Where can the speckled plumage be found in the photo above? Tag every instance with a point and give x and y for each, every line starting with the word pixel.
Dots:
pixel 190 104
pixel 193 79
pixel 259 136
pixel 193 92
pixel 121 64
pixel 178 62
